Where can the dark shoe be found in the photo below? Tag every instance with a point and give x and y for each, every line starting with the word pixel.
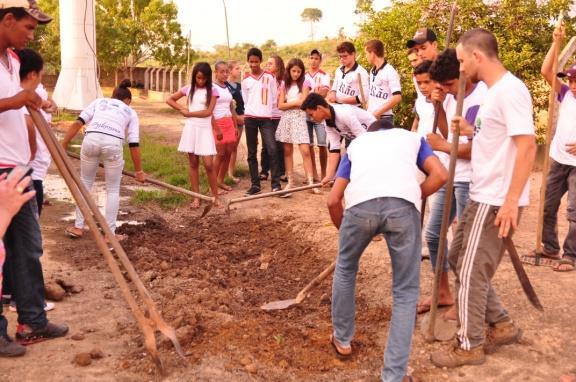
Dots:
pixel 25 335
pixel 277 188
pixel 254 190
pixel 500 334
pixel 456 356
pixel 9 348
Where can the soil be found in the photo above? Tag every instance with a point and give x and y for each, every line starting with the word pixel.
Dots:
pixel 210 276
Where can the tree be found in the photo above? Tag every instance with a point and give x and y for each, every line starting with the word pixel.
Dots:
pixel 523 29
pixel 269 46
pixel 311 15
pixel 128 33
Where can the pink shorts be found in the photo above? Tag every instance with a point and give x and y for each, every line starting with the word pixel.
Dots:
pixel 226 125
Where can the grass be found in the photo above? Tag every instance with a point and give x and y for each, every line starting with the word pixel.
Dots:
pixel 165 163
pixel 64 116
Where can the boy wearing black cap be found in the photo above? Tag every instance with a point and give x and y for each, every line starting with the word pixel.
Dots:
pixel 23 240
pixel 562 175
pixel 320 82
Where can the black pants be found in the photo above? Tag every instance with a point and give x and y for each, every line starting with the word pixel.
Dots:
pixel 23 243
pixel 39 187
pixel 267 129
pixel 280 157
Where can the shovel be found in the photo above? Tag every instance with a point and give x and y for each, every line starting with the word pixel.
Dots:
pixel 165 185
pixel 284 304
pixel 267 194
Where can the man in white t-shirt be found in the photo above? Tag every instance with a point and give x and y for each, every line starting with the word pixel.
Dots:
pixel 378 179
pixel 343 122
pixel 23 240
pixel 445 72
pixel 350 80
pixel 562 175
pixel 425 46
pixel 320 82
pixel 502 157
pixel 385 89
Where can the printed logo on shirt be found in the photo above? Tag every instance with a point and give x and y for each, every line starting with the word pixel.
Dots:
pixel 346 88
pixel 477 125
pixel 377 92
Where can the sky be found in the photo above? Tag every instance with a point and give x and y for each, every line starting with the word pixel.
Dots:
pixel 256 21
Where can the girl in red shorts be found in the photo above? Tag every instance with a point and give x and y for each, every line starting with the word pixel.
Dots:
pixel 225 119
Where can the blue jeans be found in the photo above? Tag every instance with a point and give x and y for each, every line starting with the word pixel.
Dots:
pixel 22 270
pixel 399 221
pixel 459 200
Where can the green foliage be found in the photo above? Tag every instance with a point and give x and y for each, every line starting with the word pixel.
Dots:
pixel 523 29
pixel 165 199
pixel 127 34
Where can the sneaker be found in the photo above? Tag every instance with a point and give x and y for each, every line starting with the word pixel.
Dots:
pixel 501 333
pixel 457 356
pixel 254 190
pixel 25 335
pixel 9 348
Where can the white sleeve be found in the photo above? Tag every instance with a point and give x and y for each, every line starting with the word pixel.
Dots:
pixel 333 139
pixel 325 80
pixel 394 81
pixel 133 133
pixel 365 78
pixel 88 113
pixel 335 83
pixel 517 110
pixel 244 90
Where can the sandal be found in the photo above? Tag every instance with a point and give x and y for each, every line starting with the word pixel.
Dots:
pixel 341 350
pixel 74 233
pixel 263 176
pixel 565 261
pixel 547 259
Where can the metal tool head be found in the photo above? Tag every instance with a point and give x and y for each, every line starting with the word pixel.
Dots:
pixel 279 305
pixel 206 210
pixel 444 330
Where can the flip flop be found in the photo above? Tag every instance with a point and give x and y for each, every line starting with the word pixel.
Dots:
pixel 565 261
pixel 341 351
pixel 538 259
pixel 71 234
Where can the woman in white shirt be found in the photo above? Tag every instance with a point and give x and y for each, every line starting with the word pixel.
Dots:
pixel 109 122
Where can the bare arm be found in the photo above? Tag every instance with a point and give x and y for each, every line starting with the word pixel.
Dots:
pixel 415 123
pixel 436 178
pixel 391 104
pixel 335 198
pixel 547 69
pixel 71 133
pixel 202 113
pixel 24 98
pixel 172 101
pixel 440 144
pixel 507 217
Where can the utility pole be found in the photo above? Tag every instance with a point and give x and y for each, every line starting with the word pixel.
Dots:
pixel 227 34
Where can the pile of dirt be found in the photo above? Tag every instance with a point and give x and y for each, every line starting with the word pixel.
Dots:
pixel 213 275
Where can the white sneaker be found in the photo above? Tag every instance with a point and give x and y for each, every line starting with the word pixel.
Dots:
pixel 48 306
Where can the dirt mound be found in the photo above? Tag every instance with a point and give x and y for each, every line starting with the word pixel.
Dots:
pixel 213 275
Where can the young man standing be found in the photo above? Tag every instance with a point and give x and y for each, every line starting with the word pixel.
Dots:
pixel 259 92
pixel 349 78
pixel 562 175
pixel 385 89
pixel 378 180
pixel 445 72
pixel 23 240
pixel 320 82
pixel 502 157
pixel 425 46
pixel 423 106
pixel 342 122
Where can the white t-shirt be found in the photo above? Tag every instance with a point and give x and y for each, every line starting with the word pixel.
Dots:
pixel 384 82
pixel 565 129
pixel 346 83
pixel 14 145
pixel 384 163
pixel 42 159
pixel 260 95
pixel 349 122
pixel 112 117
pixel 505 113
pixel 294 93
pixel 425 112
pixel 318 80
pixel 222 108
pixel 470 109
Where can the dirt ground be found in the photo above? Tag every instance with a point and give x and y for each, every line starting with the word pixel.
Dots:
pixel 210 276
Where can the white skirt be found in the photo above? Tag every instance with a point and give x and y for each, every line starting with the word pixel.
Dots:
pixel 197 137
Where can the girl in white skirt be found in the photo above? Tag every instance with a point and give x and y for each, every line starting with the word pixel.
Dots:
pixel 197 136
pixel 292 128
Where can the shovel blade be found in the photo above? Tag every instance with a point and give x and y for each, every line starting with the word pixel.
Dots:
pixel 206 210
pixel 279 305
